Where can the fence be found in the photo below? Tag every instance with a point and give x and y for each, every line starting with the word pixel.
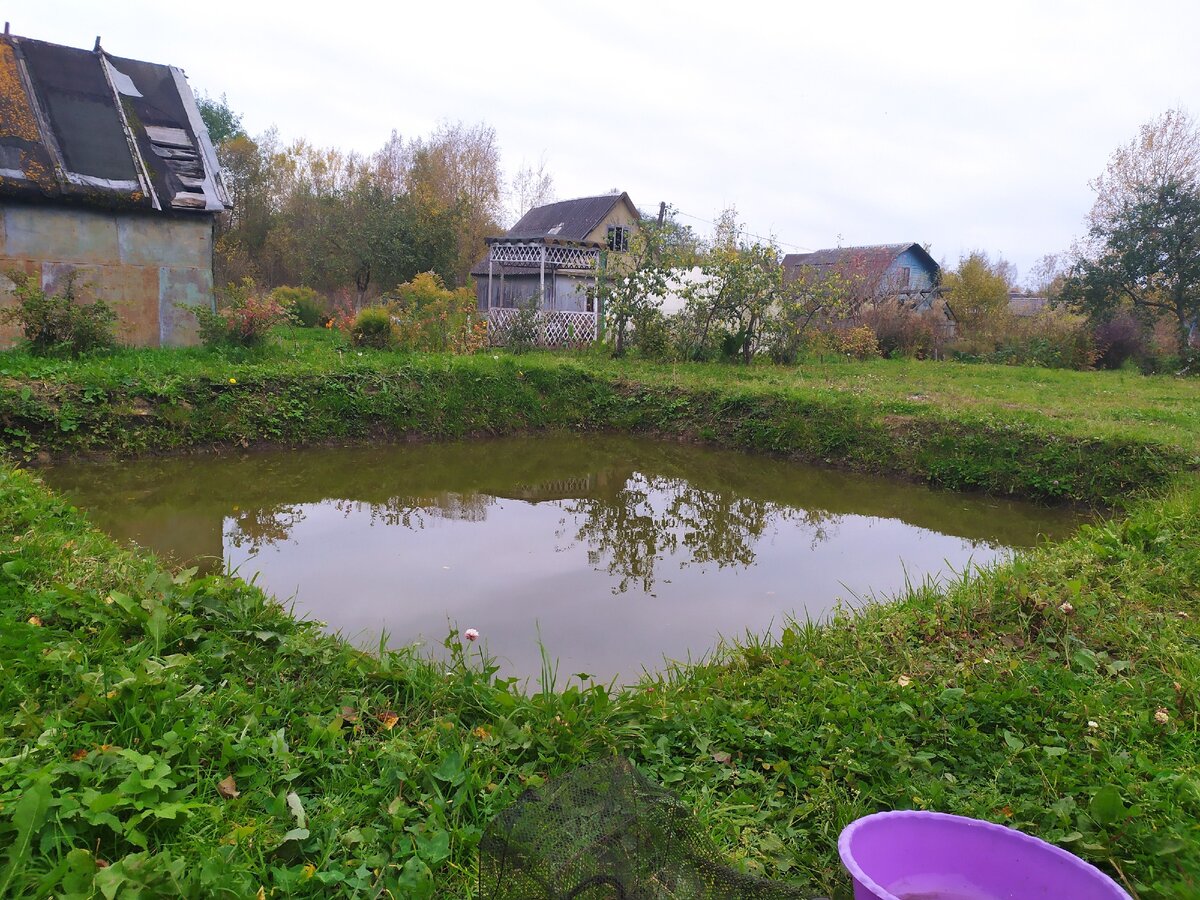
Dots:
pixel 555 327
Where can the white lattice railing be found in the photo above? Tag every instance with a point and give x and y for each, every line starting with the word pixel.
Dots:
pixel 557 256
pixel 555 327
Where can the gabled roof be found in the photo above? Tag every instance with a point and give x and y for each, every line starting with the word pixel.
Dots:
pixel 568 220
pixel 83 126
pixel 871 261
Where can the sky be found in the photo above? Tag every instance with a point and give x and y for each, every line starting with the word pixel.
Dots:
pixel 959 125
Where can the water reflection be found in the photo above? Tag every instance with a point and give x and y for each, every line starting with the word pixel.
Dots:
pixel 621 551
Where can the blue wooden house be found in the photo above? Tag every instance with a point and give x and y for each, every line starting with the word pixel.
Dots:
pixel 902 272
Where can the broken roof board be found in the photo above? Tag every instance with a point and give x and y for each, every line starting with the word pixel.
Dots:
pixel 88 127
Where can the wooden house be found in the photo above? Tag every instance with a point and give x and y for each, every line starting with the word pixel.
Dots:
pixel 904 272
pixel 107 174
pixel 552 256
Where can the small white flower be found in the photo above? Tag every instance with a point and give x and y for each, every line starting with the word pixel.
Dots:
pixel 471 634
pixel 904 681
pixel 1092 723
pixel 1067 608
pixel 1161 716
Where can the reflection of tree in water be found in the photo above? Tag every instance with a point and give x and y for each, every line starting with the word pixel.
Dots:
pixel 649 517
pixel 257 528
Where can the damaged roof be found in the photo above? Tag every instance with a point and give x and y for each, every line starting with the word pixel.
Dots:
pixel 83 126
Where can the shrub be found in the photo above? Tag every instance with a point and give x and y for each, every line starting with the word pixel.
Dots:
pixel 652 335
pixel 373 328
pixel 306 306
pixel 859 342
pixel 431 317
pixel 1119 340
pixel 58 324
pixel 904 332
pixel 523 332
pixel 243 317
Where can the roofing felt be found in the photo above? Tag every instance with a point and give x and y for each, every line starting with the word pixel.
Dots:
pixel 567 220
pixel 84 126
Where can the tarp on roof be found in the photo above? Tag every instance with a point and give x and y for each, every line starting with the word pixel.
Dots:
pixel 84 126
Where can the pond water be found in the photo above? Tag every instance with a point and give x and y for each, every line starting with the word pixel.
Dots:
pixel 619 552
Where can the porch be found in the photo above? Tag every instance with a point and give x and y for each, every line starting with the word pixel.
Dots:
pixel 557 278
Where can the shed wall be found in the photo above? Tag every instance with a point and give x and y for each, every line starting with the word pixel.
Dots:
pixel 149 267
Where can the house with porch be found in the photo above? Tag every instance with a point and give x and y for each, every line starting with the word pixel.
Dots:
pixel 552 256
pixel 107 176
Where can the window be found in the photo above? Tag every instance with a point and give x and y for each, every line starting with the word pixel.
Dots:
pixel 618 238
pixel 905 274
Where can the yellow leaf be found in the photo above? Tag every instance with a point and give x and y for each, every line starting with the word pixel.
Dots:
pixel 388 719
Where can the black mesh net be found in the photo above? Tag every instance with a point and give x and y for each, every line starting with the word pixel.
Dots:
pixel 604 832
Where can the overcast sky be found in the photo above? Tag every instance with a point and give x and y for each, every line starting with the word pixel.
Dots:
pixel 962 125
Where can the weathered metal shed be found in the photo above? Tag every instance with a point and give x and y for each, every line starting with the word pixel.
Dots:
pixel 107 173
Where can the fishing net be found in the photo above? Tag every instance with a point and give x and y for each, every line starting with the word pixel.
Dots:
pixel 604 832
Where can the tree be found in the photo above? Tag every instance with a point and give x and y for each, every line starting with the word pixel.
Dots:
pixel 1149 258
pixel 977 294
pixel 530 188
pixel 221 121
pixel 1166 149
pixel 741 284
pixel 632 284
pixel 804 298
pixel 458 168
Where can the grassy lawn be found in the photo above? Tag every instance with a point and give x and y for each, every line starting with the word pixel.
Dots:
pixel 1150 409
pixel 186 737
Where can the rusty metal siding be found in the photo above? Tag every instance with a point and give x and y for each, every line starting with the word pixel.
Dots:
pixel 150 267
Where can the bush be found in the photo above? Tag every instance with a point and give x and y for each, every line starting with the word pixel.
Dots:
pixel 1119 340
pixel 904 332
pixel 306 306
pixel 373 328
pixel 430 317
pixel 652 335
pixel 523 331
pixel 58 324
pixel 243 317
pixel 859 342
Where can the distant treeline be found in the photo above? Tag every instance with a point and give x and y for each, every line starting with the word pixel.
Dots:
pixel 346 223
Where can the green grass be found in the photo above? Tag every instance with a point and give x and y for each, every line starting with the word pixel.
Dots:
pixel 128 695
pixel 880 417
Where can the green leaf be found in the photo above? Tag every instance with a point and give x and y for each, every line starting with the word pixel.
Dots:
pixel 451 769
pixel 28 815
pixel 1054 751
pixel 1107 806
pixel 1014 742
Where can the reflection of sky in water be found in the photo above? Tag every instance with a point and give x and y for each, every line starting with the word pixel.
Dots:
pixel 521 565
pixel 620 550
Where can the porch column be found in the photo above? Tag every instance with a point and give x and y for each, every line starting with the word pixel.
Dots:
pixel 542 299
pixel 489 280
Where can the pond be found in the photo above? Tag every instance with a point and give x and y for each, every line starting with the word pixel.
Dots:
pixel 613 553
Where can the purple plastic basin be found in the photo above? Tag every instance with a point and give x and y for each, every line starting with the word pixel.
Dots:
pixel 915 855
